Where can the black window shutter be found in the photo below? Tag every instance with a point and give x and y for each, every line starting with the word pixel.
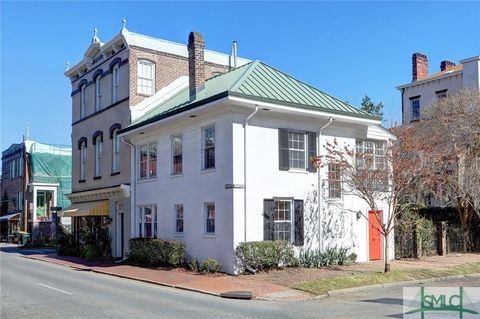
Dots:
pixel 283 149
pixel 312 150
pixel 299 233
pixel 268 205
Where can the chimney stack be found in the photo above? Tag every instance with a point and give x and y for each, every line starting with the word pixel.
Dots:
pixel 196 63
pixel 233 55
pixel 419 67
pixel 444 65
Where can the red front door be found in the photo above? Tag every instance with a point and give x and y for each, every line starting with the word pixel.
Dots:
pixel 374 235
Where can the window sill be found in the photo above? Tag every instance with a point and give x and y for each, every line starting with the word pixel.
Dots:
pixel 146 180
pixel 208 170
pixel 298 171
pixel 176 175
pixel 209 236
pixel 178 235
pixel 97 177
pixel 115 173
pixel 81 181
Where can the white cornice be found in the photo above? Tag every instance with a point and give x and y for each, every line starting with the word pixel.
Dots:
pixel 440 77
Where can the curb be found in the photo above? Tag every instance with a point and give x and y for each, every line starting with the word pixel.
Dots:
pixel 345 291
pixel 86 268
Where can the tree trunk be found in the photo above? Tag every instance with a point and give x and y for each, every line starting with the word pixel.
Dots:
pixel 387 250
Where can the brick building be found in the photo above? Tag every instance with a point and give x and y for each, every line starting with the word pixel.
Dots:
pixel 426 87
pixel 35 178
pixel 109 87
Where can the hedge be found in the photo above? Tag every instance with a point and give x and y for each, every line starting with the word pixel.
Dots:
pixel 156 252
pixel 264 255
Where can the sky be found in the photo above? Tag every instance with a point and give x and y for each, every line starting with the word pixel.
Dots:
pixel 348 49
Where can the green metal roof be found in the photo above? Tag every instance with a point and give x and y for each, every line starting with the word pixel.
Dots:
pixel 255 80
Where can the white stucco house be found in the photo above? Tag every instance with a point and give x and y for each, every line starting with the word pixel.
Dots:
pixel 226 160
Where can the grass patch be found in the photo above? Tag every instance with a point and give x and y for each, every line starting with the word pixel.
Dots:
pixel 318 287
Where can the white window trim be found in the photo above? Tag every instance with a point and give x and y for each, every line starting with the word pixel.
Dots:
pixel 148 176
pixel 98 156
pixel 292 216
pixel 83 101
pixel 140 212
pixel 175 219
pixel 173 153
pixel 152 79
pixel 305 151
pixel 115 82
pixel 341 183
pixel 203 168
pixel 115 151
pixel 205 214
pixel 83 161
pixel 98 93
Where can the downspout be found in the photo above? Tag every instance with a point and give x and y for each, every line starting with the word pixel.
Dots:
pixel 403 114
pixel 319 194
pixel 133 187
pixel 245 124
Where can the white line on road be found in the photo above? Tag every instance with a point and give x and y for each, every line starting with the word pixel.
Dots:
pixel 53 288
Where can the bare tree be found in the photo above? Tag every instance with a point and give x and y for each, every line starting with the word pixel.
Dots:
pixel 383 174
pixel 449 137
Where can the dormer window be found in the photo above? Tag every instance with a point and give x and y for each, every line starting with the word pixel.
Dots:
pixel 145 77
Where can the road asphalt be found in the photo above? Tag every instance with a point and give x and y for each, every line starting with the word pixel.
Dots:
pixel 35 289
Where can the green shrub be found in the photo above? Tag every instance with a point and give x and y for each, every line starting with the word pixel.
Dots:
pixel 96 244
pixel 331 257
pixel 156 252
pixel 66 245
pixel 193 265
pixel 263 255
pixel 211 266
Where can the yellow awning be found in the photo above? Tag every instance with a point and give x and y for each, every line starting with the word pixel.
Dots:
pixel 96 208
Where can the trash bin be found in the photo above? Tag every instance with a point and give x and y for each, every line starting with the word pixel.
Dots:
pixel 25 238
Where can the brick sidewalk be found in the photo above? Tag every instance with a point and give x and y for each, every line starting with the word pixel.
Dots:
pixel 212 285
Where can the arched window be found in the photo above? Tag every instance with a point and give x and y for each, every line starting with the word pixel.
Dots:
pixel 145 77
pixel 115 151
pixel 98 155
pixel 83 158
pixel 83 101
pixel 115 82
pixel 98 93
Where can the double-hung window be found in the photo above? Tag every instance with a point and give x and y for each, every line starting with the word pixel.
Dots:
pixel 415 109
pixel 179 218
pixel 148 160
pixel 98 156
pixel 98 93
pixel 177 155
pixel 115 83
pixel 297 149
pixel 146 77
pixel 210 218
pixel 83 101
pixel 115 151
pixel 208 147
pixel 334 180
pixel 282 220
pixel 83 160
pixel 370 154
pixel 147 221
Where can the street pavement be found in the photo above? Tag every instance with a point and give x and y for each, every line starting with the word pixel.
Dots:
pixel 35 289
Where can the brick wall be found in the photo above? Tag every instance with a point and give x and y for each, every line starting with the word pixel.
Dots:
pixel 168 67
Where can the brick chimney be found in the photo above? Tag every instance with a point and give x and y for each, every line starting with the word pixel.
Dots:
pixel 196 63
pixel 444 65
pixel 419 67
